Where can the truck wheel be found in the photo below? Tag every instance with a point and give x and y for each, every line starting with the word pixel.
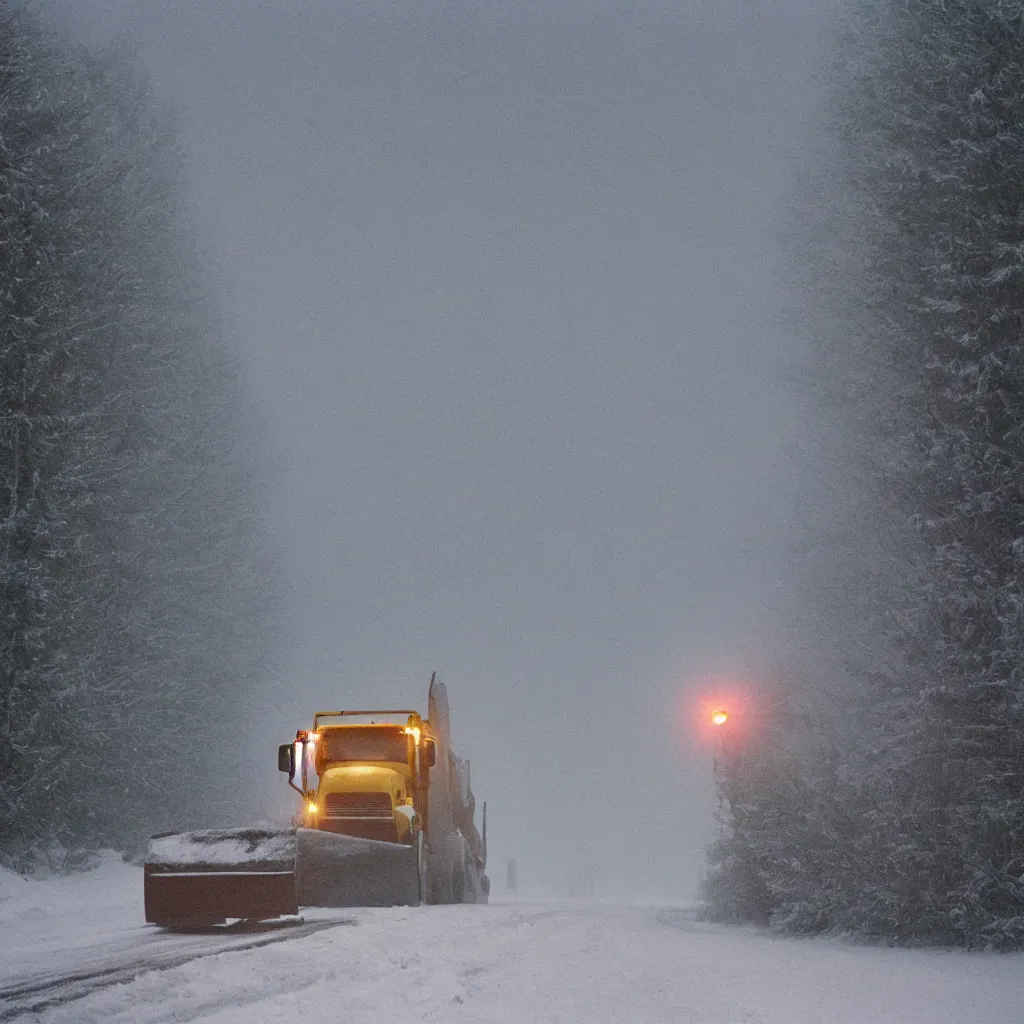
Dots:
pixel 436 879
pixel 458 892
pixel 438 892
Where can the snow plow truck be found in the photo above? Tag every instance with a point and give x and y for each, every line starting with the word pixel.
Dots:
pixel 387 819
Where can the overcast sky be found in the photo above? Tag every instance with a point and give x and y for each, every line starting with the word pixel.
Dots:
pixel 506 280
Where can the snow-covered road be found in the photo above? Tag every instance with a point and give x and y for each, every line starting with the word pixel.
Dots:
pixel 568 962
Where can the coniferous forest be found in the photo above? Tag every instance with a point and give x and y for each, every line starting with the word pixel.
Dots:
pixel 878 787
pixel 882 792
pixel 136 585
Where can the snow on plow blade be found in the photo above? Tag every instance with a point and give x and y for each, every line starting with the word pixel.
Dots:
pixel 195 879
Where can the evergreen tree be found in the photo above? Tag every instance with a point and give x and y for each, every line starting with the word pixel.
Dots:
pixel 137 602
pixel 903 812
pixel 937 129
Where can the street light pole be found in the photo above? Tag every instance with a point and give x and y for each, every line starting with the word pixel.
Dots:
pixel 719 717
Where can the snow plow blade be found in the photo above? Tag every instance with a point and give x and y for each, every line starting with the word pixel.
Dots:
pixel 202 878
pixel 344 871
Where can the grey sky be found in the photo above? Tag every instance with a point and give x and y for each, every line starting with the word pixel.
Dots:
pixel 506 279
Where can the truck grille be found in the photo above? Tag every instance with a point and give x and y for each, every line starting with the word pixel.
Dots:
pixel 365 806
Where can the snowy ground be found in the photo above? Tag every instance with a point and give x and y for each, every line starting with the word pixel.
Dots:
pixel 544 962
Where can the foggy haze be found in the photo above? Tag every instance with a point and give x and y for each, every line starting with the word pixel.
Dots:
pixel 507 286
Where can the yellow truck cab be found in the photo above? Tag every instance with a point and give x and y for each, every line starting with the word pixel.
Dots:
pixel 370 776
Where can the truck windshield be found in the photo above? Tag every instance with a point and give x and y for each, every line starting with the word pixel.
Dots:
pixel 368 743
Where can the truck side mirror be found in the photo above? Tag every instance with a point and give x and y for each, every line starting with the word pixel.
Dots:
pixel 286 759
pixel 429 753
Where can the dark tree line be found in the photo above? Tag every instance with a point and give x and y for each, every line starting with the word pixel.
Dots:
pixel 885 794
pixel 136 589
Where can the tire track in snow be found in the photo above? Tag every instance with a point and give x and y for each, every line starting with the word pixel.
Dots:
pixel 42 992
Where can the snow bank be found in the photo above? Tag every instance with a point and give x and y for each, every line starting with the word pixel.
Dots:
pixel 48 922
pixel 85 893
pixel 14 889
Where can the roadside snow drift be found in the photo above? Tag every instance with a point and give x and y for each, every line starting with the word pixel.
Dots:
pixel 570 963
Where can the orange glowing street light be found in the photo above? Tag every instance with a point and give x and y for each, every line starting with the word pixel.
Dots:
pixel 719 717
